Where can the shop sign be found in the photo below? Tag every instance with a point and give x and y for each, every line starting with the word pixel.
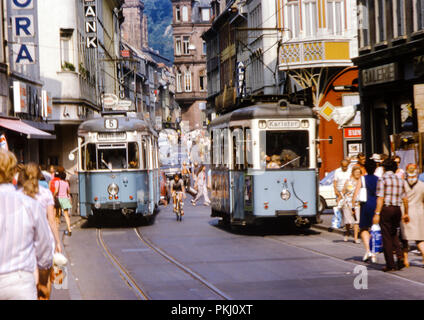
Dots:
pixel 380 74
pixel 46 104
pixel 20 98
pixel 23 31
pixel 90 23
pixel 352 133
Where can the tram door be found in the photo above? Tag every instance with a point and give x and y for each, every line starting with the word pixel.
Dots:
pixel 237 174
pixel 151 173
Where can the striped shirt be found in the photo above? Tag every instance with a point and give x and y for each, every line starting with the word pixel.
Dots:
pixel 391 188
pixel 25 236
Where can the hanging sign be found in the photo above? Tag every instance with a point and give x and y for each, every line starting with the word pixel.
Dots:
pixel 90 23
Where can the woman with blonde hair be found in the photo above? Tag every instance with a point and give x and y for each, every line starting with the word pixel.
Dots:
pixel 25 239
pixel 351 212
pixel 28 183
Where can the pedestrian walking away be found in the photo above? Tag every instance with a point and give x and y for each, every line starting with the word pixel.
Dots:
pixel 391 194
pixel 412 228
pixel 201 187
pixel 26 241
pixel 28 183
pixel 368 208
pixel 62 193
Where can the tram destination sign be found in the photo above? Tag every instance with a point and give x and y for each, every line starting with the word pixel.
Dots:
pixel 282 124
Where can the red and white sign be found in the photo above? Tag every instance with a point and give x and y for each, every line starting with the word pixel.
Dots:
pixel 352 133
pixel 125 53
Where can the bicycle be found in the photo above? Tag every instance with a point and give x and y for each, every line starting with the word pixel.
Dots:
pixel 179 206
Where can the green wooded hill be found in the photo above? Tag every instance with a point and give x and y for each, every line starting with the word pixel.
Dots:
pixel 159 13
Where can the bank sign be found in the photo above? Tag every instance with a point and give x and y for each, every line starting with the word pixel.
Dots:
pixel 23 16
pixel 90 22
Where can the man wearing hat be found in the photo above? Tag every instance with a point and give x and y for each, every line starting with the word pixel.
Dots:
pixel 379 171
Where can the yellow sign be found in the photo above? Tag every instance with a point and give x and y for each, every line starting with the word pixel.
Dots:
pixel 326 111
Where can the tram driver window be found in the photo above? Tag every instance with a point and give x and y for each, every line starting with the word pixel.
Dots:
pixel 286 149
pixel 133 156
pixel 112 158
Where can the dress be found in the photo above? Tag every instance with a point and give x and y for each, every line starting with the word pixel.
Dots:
pixel 347 206
pixel 368 208
pixel 414 230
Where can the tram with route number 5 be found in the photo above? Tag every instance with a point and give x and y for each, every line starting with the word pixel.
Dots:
pixel 246 187
pixel 118 167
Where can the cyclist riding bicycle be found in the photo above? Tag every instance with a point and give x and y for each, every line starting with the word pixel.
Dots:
pixel 177 192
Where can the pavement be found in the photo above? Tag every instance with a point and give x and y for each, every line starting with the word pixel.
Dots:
pixel 325 223
pixel 68 289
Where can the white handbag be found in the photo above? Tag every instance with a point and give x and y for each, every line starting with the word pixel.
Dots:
pixel 362 196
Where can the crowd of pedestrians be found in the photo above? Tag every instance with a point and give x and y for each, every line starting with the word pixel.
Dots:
pixel 394 200
pixel 30 208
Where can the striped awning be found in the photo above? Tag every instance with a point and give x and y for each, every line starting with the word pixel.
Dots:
pixel 22 127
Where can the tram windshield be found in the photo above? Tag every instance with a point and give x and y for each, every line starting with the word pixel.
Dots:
pixel 106 156
pixel 285 149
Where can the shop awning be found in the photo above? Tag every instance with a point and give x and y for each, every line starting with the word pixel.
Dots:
pixel 22 127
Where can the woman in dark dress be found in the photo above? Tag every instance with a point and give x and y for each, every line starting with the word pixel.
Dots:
pixel 368 208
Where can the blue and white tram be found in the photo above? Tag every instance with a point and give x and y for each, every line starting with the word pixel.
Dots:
pixel 246 186
pixel 118 167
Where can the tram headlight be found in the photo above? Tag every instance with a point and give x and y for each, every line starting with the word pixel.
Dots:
pixel 113 189
pixel 304 124
pixel 285 194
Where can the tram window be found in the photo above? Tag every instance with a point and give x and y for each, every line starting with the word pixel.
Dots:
pixel 287 149
pixel 144 154
pixel 112 158
pixel 238 160
pixel 133 156
pixel 248 148
pixel 90 157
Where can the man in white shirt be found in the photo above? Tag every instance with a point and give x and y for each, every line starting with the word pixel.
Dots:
pixel 340 176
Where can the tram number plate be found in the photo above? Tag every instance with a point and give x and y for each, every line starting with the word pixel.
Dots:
pixel 286 213
pixel 283 124
pixel 111 123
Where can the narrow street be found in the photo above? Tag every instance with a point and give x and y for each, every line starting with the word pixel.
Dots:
pixel 197 259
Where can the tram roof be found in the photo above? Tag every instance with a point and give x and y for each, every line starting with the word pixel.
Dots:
pixel 266 111
pixel 124 124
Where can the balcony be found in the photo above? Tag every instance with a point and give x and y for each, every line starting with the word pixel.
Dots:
pixel 315 54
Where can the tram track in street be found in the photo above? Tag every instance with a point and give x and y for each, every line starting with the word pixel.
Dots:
pixel 124 273
pixel 182 267
pixel 135 285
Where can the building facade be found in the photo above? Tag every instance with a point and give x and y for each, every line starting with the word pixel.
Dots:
pixel 190 20
pixel 134 29
pixel 391 73
pixel 319 40
pixel 79 48
pixel 23 114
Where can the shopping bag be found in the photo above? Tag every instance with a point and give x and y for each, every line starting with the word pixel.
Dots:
pixel 376 241
pixel 336 222
pixel 191 191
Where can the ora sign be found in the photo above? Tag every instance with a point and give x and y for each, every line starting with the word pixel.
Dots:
pixel 23 28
